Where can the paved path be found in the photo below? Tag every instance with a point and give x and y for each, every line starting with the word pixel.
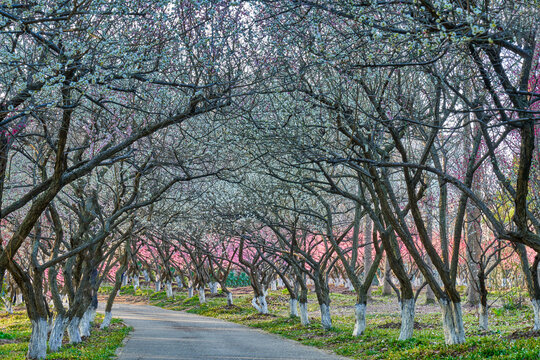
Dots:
pixel 165 334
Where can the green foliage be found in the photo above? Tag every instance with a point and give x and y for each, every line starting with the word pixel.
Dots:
pixel 240 280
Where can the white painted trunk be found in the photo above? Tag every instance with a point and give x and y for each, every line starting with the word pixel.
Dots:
pixel 179 282
pixel 483 317
pixel 106 320
pixel 259 303
pixel 360 316
pixel 8 305
pixel 190 292
pixel 407 319
pixel 85 324
pixel 304 318
pixel 229 299
pixel 293 307
pixel 273 285
pixel 280 283
pixel 536 309
pixel 37 347
pixel 213 288
pixel 202 296
pixel 146 276
pixel 73 331
pixel 326 319
pixel 136 283
pixel 452 317
pixel 168 289
pixel 18 299
pixel 263 304
pixel 158 286
pixel 57 333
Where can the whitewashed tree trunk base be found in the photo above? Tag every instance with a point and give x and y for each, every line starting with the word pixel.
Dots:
pixel 190 292
pixel 19 300
pixel 293 307
pixel 304 318
pixel 273 285
pixel 202 296
pixel 158 286
pixel 106 320
pixel 213 288
pixel 57 333
pixel 146 276
pixel 454 332
pixel 73 331
pixel 260 304
pixel 169 290
pixel 483 317
pixel 136 283
pixel 229 299
pixel 84 324
pixel 360 322
pixel 407 319
pixel 326 319
pixel 536 309
pixel 37 347
pixel 8 306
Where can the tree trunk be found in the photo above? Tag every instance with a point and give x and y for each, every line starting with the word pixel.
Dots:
pixel 125 280
pixel 304 318
pixel 85 323
pixel 229 299
pixel 536 309
pixel 407 319
pixel 293 307
pixel 169 290
pixel 106 320
pixel 37 347
pixel 483 317
pixel 190 292
pixel 202 295
pixel 57 332
pixel 387 288
pixel 474 250
pixel 158 286
pixel 360 316
pixel 368 250
pixel 213 288
pixel 136 283
pixel 73 330
pixel 452 317
pixel 326 319
pixel 260 304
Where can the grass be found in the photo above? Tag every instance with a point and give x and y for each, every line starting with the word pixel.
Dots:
pixel 102 344
pixel 509 337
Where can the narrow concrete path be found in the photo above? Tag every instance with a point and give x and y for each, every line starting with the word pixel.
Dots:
pixel 165 334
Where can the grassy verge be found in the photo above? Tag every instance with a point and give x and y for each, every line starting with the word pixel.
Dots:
pixel 15 333
pixel 510 336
